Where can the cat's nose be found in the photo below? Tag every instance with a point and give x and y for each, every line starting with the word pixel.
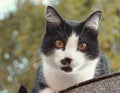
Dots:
pixel 66 61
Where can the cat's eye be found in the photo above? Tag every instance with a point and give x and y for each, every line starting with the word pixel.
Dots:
pixel 82 46
pixel 59 44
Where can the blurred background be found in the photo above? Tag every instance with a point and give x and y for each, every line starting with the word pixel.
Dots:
pixel 22 24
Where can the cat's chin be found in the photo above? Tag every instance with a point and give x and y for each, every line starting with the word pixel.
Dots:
pixel 67 69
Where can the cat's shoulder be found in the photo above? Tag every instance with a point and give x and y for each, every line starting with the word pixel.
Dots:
pixel 103 67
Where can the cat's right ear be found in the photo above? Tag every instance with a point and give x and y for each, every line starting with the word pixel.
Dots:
pixel 52 17
pixel 93 20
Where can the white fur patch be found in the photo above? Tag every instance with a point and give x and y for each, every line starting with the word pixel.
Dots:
pixel 47 90
pixel 83 68
pixel 59 80
pixel 72 42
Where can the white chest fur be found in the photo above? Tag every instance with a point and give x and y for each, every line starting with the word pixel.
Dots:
pixel 59 80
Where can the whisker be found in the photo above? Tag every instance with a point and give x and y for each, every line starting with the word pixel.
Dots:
pixel 27 74
pixel 32 61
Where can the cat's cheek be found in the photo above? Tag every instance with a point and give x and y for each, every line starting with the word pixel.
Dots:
pixel 79 61
pixel 59 55
pixel 54 60
pixel 77 65
pixel 49 60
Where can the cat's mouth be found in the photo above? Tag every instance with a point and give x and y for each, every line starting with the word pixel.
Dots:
pixel 67 69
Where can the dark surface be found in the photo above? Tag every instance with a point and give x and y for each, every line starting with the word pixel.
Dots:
pixel 22 89
pixel 105 84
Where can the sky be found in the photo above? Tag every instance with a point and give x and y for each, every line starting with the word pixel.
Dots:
pixel 6 6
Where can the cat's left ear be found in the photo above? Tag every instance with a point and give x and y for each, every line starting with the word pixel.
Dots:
pixel 93 20
pixel 52 16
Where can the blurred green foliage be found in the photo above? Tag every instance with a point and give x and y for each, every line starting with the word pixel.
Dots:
pixel 21 33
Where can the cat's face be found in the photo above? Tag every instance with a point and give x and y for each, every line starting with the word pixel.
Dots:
pixel 70 45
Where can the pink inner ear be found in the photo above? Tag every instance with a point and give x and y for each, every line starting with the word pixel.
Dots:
pixel 93 22
pixel 52 16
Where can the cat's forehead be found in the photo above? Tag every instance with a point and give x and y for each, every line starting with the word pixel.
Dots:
pixel 72 22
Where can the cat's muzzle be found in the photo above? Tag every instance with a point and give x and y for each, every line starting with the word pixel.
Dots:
pixel 66 64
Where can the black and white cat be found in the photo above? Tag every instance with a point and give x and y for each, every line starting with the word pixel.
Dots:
pixel 70 53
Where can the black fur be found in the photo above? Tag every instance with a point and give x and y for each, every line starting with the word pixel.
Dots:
pixel 40 82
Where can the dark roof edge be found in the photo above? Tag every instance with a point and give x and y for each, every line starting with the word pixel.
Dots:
pixel 91 81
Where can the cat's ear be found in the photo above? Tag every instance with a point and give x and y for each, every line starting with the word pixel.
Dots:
pixel 93 20
pixel 52 16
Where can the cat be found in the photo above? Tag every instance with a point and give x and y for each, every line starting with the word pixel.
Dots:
pixel 70 53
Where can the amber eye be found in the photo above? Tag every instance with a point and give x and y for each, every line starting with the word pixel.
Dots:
pixel 82 46
pixel 59 44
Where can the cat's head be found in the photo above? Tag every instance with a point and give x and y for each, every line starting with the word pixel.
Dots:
pixel 70 45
